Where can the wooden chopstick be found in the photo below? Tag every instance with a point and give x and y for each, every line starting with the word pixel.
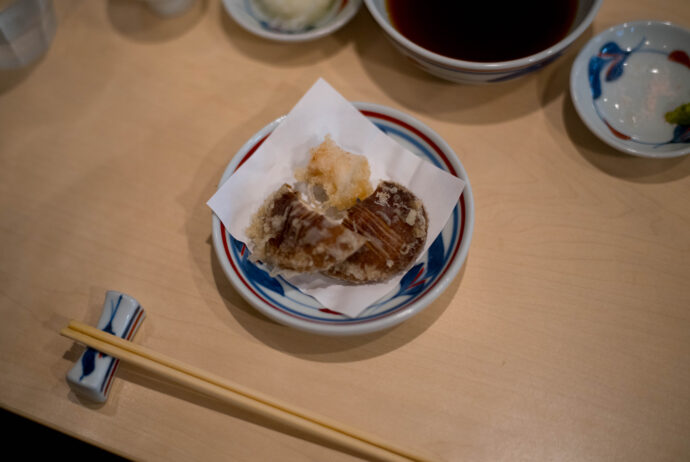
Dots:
pixel 237 395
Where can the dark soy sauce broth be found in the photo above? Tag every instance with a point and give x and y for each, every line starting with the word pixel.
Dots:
pixel 483 31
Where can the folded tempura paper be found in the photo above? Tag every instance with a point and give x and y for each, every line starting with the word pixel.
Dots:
pixel 323 111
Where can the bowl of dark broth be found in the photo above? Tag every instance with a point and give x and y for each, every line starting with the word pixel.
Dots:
pixel 482 42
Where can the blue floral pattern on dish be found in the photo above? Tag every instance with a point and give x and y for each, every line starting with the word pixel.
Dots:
pixel 614 57
pixel 611 61
pixel 278 292
pixel 284 302
pixel 681 134
pixel 255 274
pixel 412 284
pixel 417 279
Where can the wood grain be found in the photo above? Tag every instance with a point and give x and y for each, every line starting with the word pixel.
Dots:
pixel 566 337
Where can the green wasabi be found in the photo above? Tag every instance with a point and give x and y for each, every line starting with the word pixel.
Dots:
pixel 680 115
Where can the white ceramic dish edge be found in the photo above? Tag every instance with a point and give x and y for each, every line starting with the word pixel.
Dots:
pixel 378 324
pixel 237 11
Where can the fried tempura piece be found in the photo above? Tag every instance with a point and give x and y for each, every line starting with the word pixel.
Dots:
pixel 289 235
pixel 394 223
pixel 343 176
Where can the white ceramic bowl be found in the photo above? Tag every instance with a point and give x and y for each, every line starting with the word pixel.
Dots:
pixel 249 16
pixel 626 79
pixel 457 70
pixel 423 283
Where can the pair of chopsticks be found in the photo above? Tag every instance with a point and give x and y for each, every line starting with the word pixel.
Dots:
pixel 237 395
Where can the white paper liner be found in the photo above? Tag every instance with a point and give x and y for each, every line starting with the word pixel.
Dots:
pixel 323 111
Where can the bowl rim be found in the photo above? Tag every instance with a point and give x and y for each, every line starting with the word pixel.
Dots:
pixel 582 98
pixel 479 67
pixel 401 314
pixel 339 20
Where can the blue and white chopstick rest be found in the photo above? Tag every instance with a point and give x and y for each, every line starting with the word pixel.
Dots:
pixel 93 374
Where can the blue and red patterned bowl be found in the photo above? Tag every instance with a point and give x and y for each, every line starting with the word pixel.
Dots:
pixel 461 71
pixel 284 303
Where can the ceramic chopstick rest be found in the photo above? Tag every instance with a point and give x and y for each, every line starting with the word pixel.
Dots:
pixel 93 374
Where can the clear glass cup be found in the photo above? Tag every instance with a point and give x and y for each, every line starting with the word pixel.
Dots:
pixel 27 28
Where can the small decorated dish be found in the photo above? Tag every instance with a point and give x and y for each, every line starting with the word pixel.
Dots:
pixel 293 20
pixel 283 302
pixel 631 86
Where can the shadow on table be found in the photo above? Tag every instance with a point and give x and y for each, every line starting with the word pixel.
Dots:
pixel 322 348
pixel 128 372
pixel 419 91
pixel 135 20
pixel 202 185
pixel 18 430
pixel 282 54
pixel 563 118
pixel 616 163
pixel 10 78
pixel 145 379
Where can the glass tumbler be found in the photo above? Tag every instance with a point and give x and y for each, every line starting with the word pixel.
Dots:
pixel 27 28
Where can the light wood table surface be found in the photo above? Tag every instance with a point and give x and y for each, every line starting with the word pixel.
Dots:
pixel 566 336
